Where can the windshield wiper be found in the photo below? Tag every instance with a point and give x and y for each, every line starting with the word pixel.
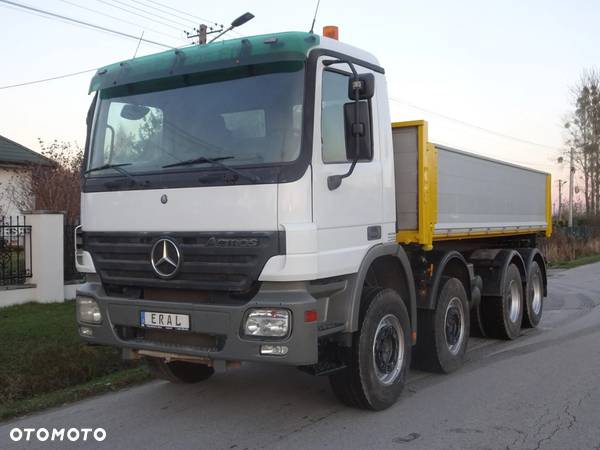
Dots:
pixel 215 162
pixel 117 167
pixel 201 160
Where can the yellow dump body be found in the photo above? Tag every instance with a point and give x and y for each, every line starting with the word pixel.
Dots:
pixel 460 195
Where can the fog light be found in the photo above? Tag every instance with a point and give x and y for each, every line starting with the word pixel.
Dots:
pixel 276 350
pixel 267 323
pixel 88 310
pixel 86 331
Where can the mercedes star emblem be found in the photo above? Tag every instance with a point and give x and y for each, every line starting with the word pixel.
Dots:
pixel 165 258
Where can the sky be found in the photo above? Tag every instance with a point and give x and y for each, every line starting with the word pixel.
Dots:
pixel 476 70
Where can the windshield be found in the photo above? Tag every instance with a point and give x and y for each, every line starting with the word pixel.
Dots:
pixel 253 117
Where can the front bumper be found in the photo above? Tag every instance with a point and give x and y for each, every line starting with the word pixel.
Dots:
pixel 120 326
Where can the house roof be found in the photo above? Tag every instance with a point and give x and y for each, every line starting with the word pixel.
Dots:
pixel 12 152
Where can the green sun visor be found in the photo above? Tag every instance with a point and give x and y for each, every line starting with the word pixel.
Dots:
pixel 268 48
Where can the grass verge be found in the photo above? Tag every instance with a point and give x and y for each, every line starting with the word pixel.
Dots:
pixel 576 262
pixel 112 382
pixel 44 363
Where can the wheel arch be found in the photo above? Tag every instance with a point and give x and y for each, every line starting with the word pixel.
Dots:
pixel 492 265
pixel 449 263
pixel 392 269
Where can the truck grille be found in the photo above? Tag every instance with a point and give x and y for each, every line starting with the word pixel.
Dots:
pixel 226 261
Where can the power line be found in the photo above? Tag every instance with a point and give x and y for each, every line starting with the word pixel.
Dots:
pixel 163 11
pixel 462 122
pixel 141 15
pixel 183 12
pixel 80 22
pixel 188 15
pixel 179 24
pixel 118 18
pixel 33 13
pixel 498 157
pixel 91 70
pixel 58 77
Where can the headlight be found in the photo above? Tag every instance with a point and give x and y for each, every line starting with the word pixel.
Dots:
pixel 88 310
pixel 267 323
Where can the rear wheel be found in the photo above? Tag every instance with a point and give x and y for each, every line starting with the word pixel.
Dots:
pixel 502 316
pixel 380 355
pixel 534 298
pixel 179 371
pixel 444 332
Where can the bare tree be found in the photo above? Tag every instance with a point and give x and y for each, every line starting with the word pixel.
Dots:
pixel 583 128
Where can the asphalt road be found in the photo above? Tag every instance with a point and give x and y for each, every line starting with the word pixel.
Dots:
pixel 541 391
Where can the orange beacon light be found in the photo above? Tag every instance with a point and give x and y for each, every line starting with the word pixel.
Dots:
pixel 331 31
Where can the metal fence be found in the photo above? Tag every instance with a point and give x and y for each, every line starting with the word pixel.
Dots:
pixel 15 250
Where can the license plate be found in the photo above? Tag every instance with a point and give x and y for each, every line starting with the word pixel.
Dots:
pixel 168 321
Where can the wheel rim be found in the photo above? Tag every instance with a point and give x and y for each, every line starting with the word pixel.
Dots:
pixel 536 284
pixel 388 349
pixel 454 323
pixel 514 302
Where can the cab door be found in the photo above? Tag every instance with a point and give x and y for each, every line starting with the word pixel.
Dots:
pixel 349 218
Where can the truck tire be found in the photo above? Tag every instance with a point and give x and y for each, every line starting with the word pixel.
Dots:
pixel 379 358
pixel 534 298
pixel 502 316
pixel 444 332
pixel 179 371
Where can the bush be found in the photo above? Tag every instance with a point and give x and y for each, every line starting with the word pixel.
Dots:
pixel 567 245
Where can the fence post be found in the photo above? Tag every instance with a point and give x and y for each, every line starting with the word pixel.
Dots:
pixel 47 255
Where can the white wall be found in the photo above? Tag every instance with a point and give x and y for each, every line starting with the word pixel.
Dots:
pixel 16 296
pixel 47 235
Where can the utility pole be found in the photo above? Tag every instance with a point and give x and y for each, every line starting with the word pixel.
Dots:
pixel 571 187
pixel 560 185
pixel 202 33
pixel 203 30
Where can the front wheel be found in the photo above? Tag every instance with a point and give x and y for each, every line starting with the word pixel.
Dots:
pixel 380 355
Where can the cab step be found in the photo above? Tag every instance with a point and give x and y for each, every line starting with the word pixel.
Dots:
pixel 327 328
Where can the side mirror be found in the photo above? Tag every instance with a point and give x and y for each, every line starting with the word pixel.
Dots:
pixel 360 128
pixel 367 86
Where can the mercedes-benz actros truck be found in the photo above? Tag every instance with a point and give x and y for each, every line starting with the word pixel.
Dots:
pixel 250 200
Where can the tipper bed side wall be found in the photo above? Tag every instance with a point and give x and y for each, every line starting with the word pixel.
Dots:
pixel 443 193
